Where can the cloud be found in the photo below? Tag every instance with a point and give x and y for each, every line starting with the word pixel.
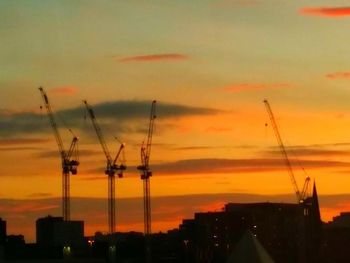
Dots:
pixel 255 86
pixel 20 144
pixel 55 153
pixel 26 207
pixel 64 91
pixel 155 58
pixel 225 166
pixel 14 123
pixel 331 12
pixel 337 144
pixel 339 75
pixel 137 109
pixel 7 149
pixel 40 195
pixel 17 141
pixel 190 148
pixel 306 151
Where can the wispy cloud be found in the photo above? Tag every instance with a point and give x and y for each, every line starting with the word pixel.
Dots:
pixel 190 148
pixel 22 148
pixel 64 91
pixel 331 12
pixel 339 75
pixel 40 195
pixel 155 58
pixel 307 151
pixel 337 144
pixel 20 144
pixel 255 86
pixel 26 207
pixel 21 141
pixel 219 166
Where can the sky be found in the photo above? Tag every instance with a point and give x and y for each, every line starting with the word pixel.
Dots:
pixel 209 65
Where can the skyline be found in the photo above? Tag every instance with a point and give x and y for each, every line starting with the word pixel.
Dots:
pixel 209 65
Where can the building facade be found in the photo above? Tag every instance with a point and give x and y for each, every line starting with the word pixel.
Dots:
pixel 54 231
pixel 289 232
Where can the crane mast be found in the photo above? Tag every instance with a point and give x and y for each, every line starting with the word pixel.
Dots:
pixel 69 159
pixel 111 168
pixel 300 195
pixel 146 173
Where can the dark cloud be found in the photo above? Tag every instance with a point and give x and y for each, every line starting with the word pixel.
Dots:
pixel 217 166
pixel 305 151
pixel 190 148
pixel 82 152
pixel 12 124
pixel 124 112
pixel 229 166
pixel 17 141
pixel 10 149
pixel 338 144
pixel 40 195
pixel 134 109
pixel 21 144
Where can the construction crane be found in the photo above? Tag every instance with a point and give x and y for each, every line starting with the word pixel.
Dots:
pixel 146 173
pixel 70 158
pixel 112 168
pixel 301 195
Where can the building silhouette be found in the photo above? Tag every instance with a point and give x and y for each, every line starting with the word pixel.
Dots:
pixel 249 249
pixel 336 240
pixel 241 232
pixel 289 232
pixel 54 231
pixel 3 233
pixel 2 237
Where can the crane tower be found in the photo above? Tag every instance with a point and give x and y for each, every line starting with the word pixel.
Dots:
pixel 146 173
pixel 301 195
pixel 111 168
pixel 69 159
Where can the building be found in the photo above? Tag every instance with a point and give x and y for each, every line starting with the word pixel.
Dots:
pixel 249 250
pixel 54 231
pixel 289 232
pixel 342 220
pixel 2 237
pixel 336 239
pixel 3 233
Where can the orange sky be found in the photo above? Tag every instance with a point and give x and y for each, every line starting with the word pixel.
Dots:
pixel 210 65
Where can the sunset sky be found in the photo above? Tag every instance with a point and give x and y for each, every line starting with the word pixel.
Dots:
pixel 209 65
